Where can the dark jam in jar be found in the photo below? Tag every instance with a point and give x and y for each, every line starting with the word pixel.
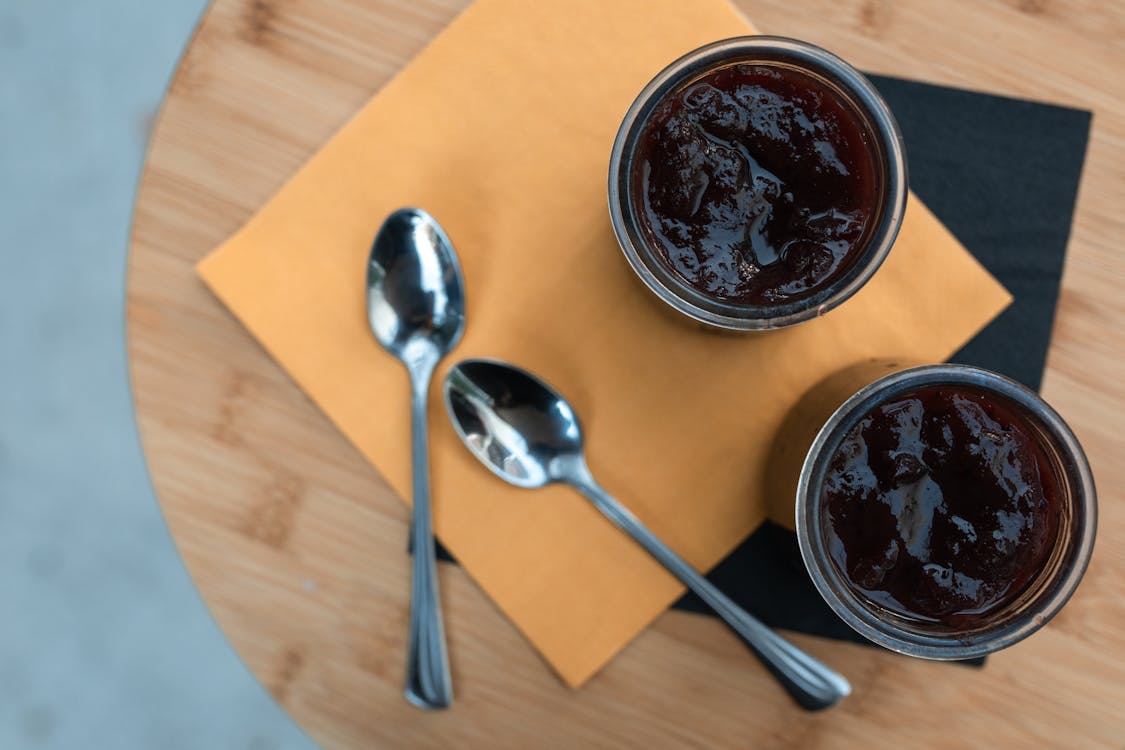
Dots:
pixel 943 504
pixel 756 184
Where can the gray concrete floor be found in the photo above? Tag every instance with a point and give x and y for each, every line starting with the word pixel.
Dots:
pixel 104 642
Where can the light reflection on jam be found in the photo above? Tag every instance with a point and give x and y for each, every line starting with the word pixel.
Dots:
pixel 942 505
pixel 756 184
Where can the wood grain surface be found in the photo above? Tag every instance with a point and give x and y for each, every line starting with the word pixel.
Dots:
pixel 297 544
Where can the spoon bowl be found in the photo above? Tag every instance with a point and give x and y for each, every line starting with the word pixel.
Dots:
pixel 514 423
pixel 415 294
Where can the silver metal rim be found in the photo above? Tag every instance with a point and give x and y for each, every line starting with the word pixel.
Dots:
pixel 852 608
pixel 678 293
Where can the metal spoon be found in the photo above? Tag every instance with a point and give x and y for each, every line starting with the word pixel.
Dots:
pixel 527 434
pixel 416 307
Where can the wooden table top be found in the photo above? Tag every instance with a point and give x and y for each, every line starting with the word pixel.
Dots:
pixel 297 544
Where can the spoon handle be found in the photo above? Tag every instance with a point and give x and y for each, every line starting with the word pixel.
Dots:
pixel 428 682
pixel 812 684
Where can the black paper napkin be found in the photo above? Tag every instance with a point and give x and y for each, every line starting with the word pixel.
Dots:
pixel 1002 174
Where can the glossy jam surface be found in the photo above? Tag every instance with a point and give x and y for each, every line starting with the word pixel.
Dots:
pixel 756 184
pixel 942 505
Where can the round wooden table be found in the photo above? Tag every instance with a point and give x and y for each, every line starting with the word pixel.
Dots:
pixel 297 544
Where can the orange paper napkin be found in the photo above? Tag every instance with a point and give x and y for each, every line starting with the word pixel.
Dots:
pixel 502 129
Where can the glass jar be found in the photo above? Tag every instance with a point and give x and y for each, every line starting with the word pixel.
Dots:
pixel 1047 590
pixel 880 135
